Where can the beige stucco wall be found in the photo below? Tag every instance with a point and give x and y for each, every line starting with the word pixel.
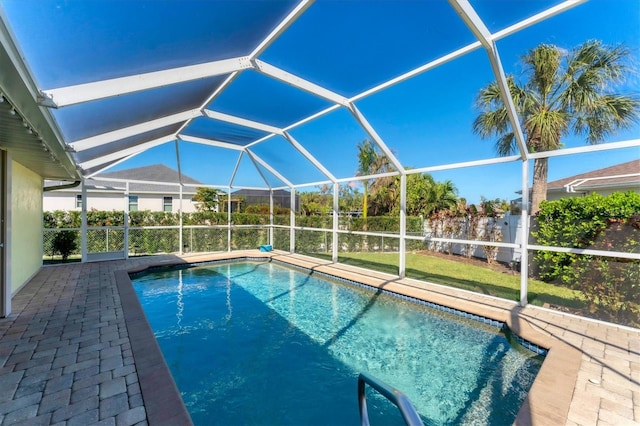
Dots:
pixel 26 225
pixel 66 200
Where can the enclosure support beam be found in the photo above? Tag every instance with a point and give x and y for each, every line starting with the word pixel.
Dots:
pixel 269 168
pixel 179 163
pixel 126 221
pixel 336 207
pixel 302 150
pixel 83 223
pixel 484 36
pixel 292 216
pixel 360 118
pixel 181 249
pixel 124 153
pixel 229 218
pixel 136 129
pixel 271 217
pixel 215 115
pixel 403 226
pixel 71 95
pixel 299 82
pixel 524 240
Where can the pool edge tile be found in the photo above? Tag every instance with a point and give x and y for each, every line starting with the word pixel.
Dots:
pixel 162 400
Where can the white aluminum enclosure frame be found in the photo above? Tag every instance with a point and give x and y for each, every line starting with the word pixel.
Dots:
pixel 72 95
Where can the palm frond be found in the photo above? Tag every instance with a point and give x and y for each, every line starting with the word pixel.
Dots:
pixel 492 123
pixel 592 69
pixel 506 144
pixel 545 129
pixel 611 113
pixel 543 64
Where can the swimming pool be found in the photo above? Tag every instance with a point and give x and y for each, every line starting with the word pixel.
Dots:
pixel 258 343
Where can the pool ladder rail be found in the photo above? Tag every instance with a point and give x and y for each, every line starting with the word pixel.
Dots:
pixel 399 399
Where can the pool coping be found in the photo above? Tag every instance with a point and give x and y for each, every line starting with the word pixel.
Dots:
pixel 162 400
pixel 547 402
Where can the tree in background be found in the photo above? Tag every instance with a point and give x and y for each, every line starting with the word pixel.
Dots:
pixel 564 92
pixel 426 196
pixel 315 203
pixel 209 199
pixel 367 155
pixel 371 162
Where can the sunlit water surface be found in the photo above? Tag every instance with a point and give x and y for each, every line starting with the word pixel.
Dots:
pixel 261 344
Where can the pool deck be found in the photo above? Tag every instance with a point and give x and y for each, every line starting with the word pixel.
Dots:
pixel 77 349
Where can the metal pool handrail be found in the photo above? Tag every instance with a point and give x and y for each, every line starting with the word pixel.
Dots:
pixel 399 399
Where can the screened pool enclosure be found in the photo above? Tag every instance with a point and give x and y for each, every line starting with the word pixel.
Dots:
pixel 278 94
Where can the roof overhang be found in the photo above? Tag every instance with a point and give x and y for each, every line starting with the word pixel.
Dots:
pixel 28 131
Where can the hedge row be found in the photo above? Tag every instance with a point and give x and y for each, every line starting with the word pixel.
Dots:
pixel 610 285
pixel 206 239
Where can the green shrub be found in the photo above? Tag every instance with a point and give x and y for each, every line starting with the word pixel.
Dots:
pixel 64 242
pixel 610 285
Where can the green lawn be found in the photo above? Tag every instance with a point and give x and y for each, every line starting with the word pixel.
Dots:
pixel 462 275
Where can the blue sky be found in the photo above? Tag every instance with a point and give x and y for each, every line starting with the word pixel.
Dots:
pixel 346 46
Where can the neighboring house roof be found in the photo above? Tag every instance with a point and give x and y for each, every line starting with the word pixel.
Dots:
pixel 624 176
pixel 261 192
pixel 155 173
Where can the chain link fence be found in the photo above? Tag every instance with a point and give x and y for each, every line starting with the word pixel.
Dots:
pixel 202 238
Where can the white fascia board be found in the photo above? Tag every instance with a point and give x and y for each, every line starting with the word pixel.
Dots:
pixel 210 142
pixel 300 83
pixel 101 139
pixel 19 86
pixel 595 182
pixel 271 169
pixel 125 152
pixel 71 95
pixel 301 149
pixel 242 122
pixel 281 27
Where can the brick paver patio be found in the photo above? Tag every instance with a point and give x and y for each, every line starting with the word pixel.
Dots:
pixel 74 351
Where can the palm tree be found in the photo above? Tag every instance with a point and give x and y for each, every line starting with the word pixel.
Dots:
pixel 368 163
pixel 446 196
pixel 565 92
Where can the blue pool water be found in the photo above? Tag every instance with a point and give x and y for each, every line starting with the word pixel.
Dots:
pixel 261 344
